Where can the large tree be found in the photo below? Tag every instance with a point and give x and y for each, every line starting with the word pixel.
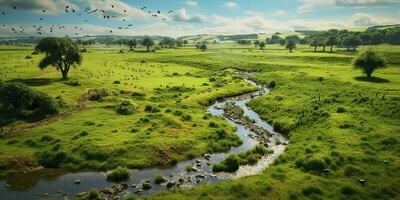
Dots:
pixel 314 42
pixel 368 61
pixel 330 41
pixel 132 44
pixel 60 52
pixel 148 42
pixel 351 41
pixel 290 44
pixel 262 45
pixel 256 43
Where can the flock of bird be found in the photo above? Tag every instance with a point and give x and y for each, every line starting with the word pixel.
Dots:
pixel 40 29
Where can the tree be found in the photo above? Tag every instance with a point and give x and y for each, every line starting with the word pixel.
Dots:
pixel 203 47
pixel 148 42
pixel 262 45
pixel 290 45
pixel 60 52
pixel 294 38
pixel 351 42
pixel 314 42
pixel 330 41
pixel 256 43
pixel 393 36
pixel 368 61
pixel 132 44
pixel 365 38
pixel 303 41
pixel 185 42
pixel 282 42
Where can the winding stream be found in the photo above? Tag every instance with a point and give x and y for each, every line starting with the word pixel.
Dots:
pixel 59 184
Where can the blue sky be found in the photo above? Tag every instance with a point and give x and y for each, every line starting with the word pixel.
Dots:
pixel 190 16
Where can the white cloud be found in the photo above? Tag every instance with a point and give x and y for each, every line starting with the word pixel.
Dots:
pixel 365 20
pixel 51 7
pixel 231 5
pixel 309 5
pixel 192 3
pixel 280 13
pixel 183 16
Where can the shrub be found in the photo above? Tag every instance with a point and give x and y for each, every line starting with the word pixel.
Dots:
pixel 159 178
pixel 340 109
pixel 118 174
pixel 186 117
pixel 125 108
pixel 311 164
pixel 51 159
pixel 117 82
pixel 25 103
pixel 351 170
pixel 309 190
pixel 138 95
pixel 99 94
pixel 28 57
pixel 348 190
pixel 73 82
pixel 213 125
pixel 93 194
pixel 229 164
pixel 271 84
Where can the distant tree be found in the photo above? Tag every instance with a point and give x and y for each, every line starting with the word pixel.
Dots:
pixel 330 41
pixel 351 42
pixel 262 45
pixel 147 42
pixel 179 42
pixel 290 45
pixel 365 38
pixel 132 44
pixel 275 39
pixel 60 52
pixel 368 61
pixel 244 42
pixel 203 47
pixel 294 38
pixel 256 43
pixel 282 42
pixel 303 41
pixel 314 42
pixel 393 35
pixel 377 37
pixel 185 42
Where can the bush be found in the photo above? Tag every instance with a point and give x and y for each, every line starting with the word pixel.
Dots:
pixel 73 82
pixel 117 82
pixel 229 164
pixel 25 103
pixel 99 94
pixel 93 194
pixel 28 57
pixel 118 174
pixel 213 125
pixel 186 117
pixel 351 170
pixel 271 84
pixel 309 190
pixel 311 164
pixel 125 108
pixel 51 159
pixel 340 109
pixel 159 178
pixel 348 190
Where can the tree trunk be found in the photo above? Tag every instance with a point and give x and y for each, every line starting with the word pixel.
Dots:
pixel 315 48
pixel 148 48
pixel 131 48
pixel 323 49
pixel 369 75
pixel 331 48
pixel 290 50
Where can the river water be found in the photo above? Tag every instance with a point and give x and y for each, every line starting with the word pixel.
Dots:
pixel 59 184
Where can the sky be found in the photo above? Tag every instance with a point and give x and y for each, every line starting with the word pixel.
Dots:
pixel 188 17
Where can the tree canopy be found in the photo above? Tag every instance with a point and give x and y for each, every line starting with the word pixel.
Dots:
pixel 290 44
pixel 132 44
pixel 147 42
pixel 60 52
pixel 368 61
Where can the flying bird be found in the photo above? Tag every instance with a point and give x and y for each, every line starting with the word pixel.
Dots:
pixel 170 11
pixel 143 8
pixel 15 7
pixel 3 13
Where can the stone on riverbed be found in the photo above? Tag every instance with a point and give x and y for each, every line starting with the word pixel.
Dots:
pixel 77 181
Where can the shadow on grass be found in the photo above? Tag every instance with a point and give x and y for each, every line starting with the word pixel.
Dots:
pixel 372 79
pixel 36 81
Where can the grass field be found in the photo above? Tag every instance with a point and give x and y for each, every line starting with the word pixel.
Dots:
pixel 342 127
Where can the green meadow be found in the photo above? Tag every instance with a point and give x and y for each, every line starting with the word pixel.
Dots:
pixel 341 126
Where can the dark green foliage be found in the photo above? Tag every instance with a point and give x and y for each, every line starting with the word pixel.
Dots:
pixel 340 109
pixel 118 174
pixel 125 108
pixel 351 170
pixel 51 159
pixel 368 61
pixel 73 82
pixel 147 42
pixel 271 84
pixel 311 164
pixel 99 94
pixel 93 194
pixel 60 52
pixel 186 117
pixel 348 190
pixel 351 42
pixel 309 190
pixel 232 162
pixel 22 102
pixel 159 178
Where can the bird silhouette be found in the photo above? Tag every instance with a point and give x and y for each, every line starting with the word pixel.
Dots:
pixel 170 11
pixel 15 7
pixel 143 8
